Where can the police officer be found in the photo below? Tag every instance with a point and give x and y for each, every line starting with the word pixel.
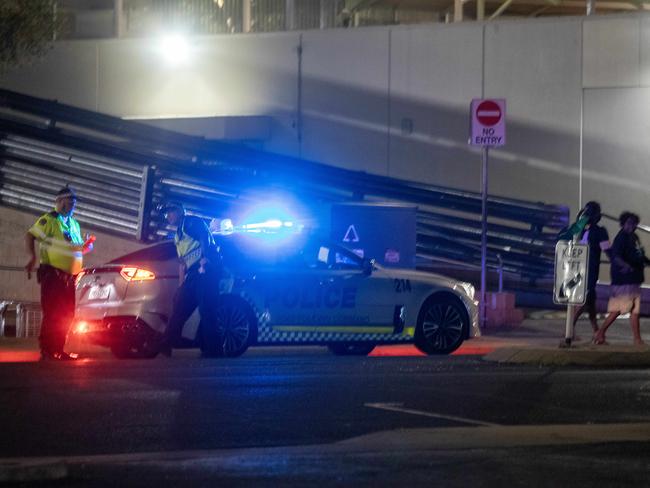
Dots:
pixel 61 258
pixel 199 274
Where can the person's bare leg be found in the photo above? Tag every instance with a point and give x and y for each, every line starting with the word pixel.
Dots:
pixel 599 336
pixel 635 322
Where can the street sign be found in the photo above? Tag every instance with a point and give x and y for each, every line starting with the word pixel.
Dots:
pixel 570 273
pixel 351 234
pixel 488 122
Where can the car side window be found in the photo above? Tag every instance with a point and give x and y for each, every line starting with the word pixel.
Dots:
pixel 314 257
pixel 323 255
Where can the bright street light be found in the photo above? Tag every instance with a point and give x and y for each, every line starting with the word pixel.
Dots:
pixel 175 49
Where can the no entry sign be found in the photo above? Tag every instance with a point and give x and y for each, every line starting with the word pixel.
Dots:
pixel 488 122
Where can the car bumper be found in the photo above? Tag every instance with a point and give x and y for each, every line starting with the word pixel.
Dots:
pixel 109 331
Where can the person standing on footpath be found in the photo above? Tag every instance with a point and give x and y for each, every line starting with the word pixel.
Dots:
pixel 597 238
pixel 199 274
pixel 628 260
pixel 61 259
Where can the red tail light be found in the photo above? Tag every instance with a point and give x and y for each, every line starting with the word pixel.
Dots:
pixel 131 273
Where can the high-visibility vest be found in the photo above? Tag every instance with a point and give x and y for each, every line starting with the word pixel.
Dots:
pixel 60 242
pixel 187 247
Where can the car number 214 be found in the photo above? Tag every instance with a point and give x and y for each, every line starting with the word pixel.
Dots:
pixel 402 286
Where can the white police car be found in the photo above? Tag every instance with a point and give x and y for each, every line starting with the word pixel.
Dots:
pixel 310 292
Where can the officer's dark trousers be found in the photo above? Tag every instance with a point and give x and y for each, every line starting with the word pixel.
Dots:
pixel 57 302
pixel 198 290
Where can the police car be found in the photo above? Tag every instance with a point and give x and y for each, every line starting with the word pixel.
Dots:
pixel 310 292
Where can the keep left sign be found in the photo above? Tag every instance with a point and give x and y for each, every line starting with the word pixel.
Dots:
pixel 488 122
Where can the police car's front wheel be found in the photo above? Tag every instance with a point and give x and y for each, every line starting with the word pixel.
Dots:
pixel 351 349
pixel 234 331
pixel 442 325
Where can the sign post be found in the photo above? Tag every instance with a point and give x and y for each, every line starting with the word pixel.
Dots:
pixel 570 284
pixel 488 129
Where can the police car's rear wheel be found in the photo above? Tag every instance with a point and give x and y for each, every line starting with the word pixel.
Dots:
pixel 442 325
pixel 351 349
pixel 234 332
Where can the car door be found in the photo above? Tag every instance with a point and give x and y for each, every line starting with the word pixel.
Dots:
pixel 298 292
pixel 370 296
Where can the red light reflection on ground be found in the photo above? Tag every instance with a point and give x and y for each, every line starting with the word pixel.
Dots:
pixel 411 350
pixel 19 356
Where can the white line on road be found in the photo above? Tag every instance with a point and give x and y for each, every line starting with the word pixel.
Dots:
pixel 397 407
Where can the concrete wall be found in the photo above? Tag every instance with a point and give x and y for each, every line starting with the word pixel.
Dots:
pixel 345 98
pixel 395 100
pixel 435 71
pixel 13 282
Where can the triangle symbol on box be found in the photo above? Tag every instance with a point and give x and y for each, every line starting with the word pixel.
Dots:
pixel 351 235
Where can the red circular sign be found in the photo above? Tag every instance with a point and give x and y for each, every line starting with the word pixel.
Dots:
pixel 488 113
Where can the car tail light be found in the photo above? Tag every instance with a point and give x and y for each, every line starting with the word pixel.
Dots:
pixel 131 273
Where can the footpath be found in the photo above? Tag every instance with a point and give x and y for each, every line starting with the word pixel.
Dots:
pixel 538 341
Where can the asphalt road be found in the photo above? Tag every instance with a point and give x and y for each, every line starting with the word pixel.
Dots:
pixel 207 417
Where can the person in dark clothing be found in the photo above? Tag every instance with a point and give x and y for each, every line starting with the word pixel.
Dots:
pixel 199 274
pixel 597 238
pixel 628 260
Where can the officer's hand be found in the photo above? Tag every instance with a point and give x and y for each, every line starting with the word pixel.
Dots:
pixel 29 267
pixel 202 264
pixel 88 243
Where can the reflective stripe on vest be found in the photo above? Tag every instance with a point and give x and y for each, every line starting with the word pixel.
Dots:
pixel 188 249
pixel 60 242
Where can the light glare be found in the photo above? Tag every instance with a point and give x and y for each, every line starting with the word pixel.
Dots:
pixel 175 49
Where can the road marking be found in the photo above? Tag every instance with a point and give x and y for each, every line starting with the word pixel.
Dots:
pixel 397 407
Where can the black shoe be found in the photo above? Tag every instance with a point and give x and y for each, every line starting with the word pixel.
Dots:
pixel 47 356
pixel 64 356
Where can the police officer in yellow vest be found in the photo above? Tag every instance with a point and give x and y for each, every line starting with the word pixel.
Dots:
pixel 199 273
pixel 61 258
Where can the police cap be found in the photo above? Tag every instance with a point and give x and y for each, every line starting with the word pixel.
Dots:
pixel 171 205
pixel 66 192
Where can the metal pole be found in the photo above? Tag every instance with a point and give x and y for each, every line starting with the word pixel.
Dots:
pixel 290 15
pixel 568 334
pixel 118 18
pixel 480 9
pixel 458 10
pixel 484 236
pixel 246 16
